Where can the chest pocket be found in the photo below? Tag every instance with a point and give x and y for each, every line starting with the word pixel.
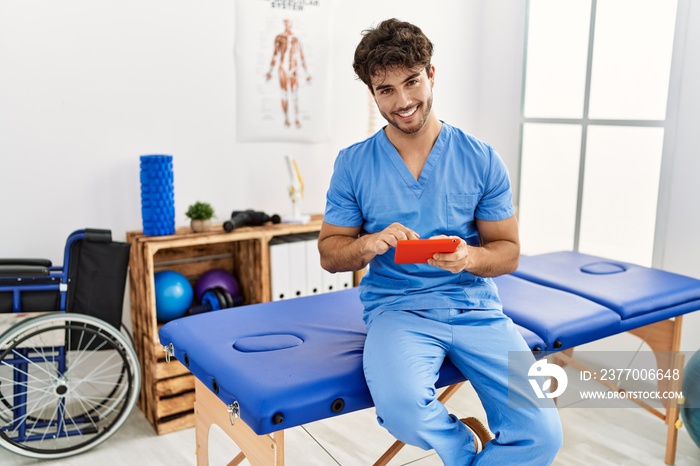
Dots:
pixel 460 214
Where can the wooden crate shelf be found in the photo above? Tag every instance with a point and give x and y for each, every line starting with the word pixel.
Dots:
pixel 167 389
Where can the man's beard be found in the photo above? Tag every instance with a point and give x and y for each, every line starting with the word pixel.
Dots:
pixel 419 125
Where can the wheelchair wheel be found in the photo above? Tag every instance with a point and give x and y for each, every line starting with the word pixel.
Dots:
pixel 67 383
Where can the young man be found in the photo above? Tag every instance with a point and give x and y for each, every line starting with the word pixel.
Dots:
pixel 418 178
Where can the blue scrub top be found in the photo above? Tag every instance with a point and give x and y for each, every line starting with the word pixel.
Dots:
pixel 463 179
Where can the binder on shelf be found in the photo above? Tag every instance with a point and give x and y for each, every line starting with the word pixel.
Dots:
pixel 279 269
pixel 314 272
pixel 343 280
pixel 297 265
pixel 318 278
pixel 295 268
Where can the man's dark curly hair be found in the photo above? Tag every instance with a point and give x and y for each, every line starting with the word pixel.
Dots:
pixel 392 44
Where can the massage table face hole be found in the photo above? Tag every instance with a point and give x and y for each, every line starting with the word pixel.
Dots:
pixel 603 268
pixel 270 342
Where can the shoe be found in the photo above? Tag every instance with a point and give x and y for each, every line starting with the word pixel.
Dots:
pixel 482 435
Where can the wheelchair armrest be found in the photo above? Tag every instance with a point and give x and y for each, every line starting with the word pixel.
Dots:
pixel 35 262
pixel 21 271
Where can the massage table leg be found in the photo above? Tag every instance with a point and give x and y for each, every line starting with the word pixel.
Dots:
pixel 664 338
pixel 260 450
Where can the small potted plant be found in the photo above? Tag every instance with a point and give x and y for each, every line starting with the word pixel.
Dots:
pixel 200 215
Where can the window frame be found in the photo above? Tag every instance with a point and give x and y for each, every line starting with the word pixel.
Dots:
pixel 668 124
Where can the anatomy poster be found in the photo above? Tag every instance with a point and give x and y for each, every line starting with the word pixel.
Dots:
pixel 282 67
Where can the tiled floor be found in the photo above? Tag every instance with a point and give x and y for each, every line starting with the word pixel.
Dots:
pixel 601 437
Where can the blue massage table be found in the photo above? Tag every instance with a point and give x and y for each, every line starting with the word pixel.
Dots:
pixel 267 367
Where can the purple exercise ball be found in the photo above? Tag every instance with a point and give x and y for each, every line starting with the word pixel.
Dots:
pixel 216 278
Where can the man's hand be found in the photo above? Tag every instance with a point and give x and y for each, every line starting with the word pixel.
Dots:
pixel 455 261
pixel 379 243
pixel 497 254
pixel 344 248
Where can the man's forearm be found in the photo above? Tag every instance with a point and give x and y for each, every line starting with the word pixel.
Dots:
pixel 494 259
pixel 343 253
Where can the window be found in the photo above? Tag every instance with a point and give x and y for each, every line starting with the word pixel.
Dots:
pixel 594 108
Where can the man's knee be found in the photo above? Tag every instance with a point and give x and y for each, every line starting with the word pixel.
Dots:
pixel 402 412
pixel 407 402
pixel 402 428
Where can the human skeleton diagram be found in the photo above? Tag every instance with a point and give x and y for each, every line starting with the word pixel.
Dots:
pixel 288 55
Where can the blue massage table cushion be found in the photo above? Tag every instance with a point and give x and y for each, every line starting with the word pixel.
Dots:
pixel 288 362
pixel 563 320
pixel 639 295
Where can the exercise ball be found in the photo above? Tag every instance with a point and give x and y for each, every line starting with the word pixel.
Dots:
pixel 216 278
pixel 174 295
pixel 690 410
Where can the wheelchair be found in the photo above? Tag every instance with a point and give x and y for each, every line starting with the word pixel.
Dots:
pixel 69 377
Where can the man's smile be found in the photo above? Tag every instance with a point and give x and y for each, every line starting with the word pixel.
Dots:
pixel 407 113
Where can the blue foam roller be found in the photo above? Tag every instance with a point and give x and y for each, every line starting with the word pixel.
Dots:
pixel 157 195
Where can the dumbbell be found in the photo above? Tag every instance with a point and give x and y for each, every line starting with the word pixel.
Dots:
pixel 216 289
pixel 216 299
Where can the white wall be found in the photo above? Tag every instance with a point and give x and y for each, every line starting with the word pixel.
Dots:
pixel 501 47
pixel 681 252
pixel 681 248
pixel 86 87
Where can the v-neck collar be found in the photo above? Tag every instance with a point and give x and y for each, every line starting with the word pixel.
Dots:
pixel 417 186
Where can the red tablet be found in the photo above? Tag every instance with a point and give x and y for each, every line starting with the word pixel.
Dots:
pixel 413 251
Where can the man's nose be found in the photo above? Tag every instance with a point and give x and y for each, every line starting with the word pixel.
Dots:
pixel 404 99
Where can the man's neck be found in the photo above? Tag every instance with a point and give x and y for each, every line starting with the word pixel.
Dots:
pixel 414 148
pixel 425 138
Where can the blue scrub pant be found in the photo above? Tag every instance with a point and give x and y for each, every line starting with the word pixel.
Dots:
pixel 403 354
